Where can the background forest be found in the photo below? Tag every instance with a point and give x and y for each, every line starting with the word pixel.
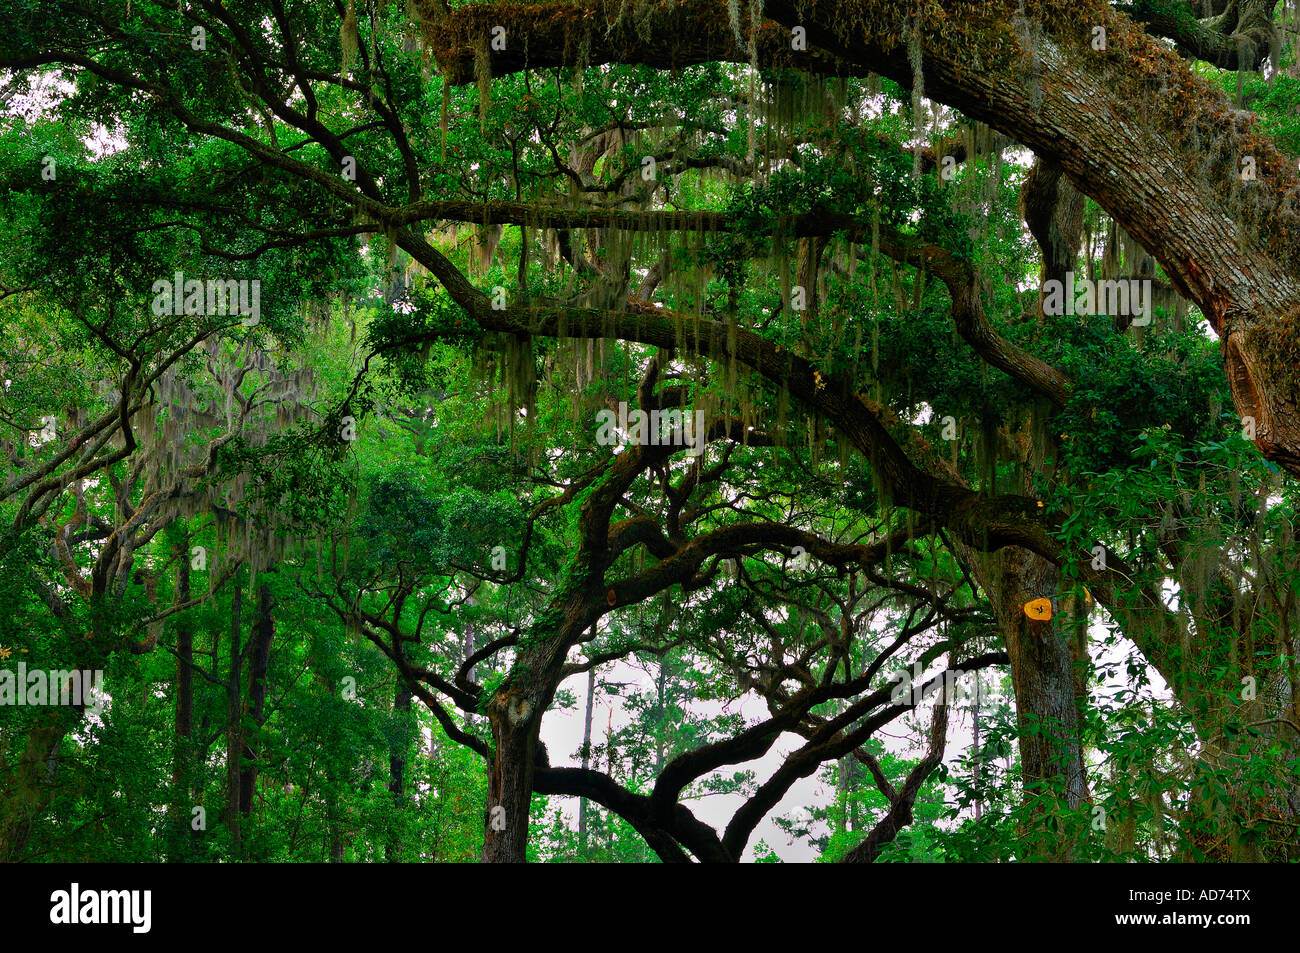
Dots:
pixel 905 564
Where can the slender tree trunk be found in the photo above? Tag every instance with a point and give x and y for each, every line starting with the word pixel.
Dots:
pixel 976 756
pixel 182 753
pixel 334 824
pixel 397 767
pixel 843 817
pixel 234 717
pixel 661 714
pixel 259 663
pixel 586 762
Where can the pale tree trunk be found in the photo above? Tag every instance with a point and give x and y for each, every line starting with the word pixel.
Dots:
pixel 586 761
pixel 661 729
pixel 844 817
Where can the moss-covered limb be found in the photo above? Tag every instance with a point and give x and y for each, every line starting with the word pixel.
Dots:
pixel 595 32
pixel 667 832
pixel 968 310
pixel 1137 130
pixel 986 523
pixel 968 313
pixel 655 221
pixel 1237 37
pixel 679 564
pixel 1131 125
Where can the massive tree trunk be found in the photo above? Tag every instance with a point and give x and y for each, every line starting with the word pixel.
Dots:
pixel 515 723
pixel 1047 684
pixel 30 786
pixel 515 715
pixel 1047 703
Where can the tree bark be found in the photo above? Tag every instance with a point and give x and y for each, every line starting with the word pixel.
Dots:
pixel 183 729
pixel 259 659
pixel 1047 708
pixel 29 789
pixel 234 718
pixel 586 762
pixel 515 713
pixel 510 778
pixel 397 766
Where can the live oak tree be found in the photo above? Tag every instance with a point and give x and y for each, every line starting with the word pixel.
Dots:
pixel 838 259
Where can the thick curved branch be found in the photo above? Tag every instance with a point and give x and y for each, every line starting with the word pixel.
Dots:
pixel 1237 38
pixel 1129 125
pixel 901 801
pixel 591 34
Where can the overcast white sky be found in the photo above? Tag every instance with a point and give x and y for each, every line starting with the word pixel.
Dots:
pixel 562 733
